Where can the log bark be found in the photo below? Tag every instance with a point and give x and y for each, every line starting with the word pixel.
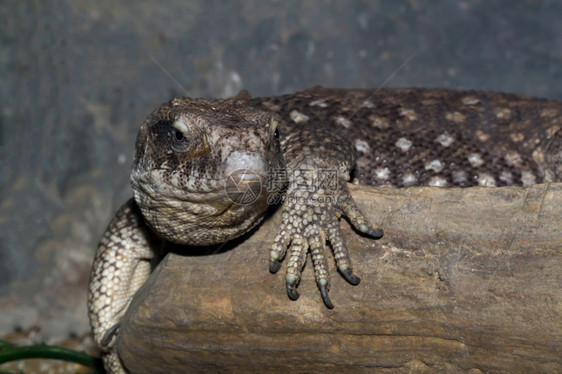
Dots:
pixel 464 280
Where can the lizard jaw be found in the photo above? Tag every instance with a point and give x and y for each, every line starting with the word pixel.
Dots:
pixel 202 218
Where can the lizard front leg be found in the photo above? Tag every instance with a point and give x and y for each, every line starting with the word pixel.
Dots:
pixel 121 266
pixel 316 197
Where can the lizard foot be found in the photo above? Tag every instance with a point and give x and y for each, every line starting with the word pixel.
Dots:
pixel 309 219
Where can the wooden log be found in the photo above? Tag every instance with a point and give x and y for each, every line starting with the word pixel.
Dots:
pixel 464 280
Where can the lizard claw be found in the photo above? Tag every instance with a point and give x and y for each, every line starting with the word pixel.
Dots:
pixel 108 336
pixel 350 277
pixel 274 266
pixel 292 291
pixel 324 292
pixel 373 233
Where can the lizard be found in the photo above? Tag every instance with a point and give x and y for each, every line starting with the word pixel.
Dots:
pixel 194 159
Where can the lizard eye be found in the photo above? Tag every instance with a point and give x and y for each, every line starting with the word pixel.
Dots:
pixel 178 136
pixel 178 141
pixel 276 135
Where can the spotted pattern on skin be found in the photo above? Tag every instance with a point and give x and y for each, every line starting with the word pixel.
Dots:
pixel 538 155
pixel 455 117
pixel 404 144
pixel 379 122
pixel 382 173
pixel 434 165
pixel 528 179
pixel 399 137
pixel 506 177
pixel 551 131
pixel 517 137
pixel 475 160
pixel 342 121
pixel 482 136
pixel 470 100
pixel 409 179
pixel 418 117
pixel 437 182
pixel 503 113
pixel 319 103
pixel 513 158
pixel 459 177
pixel 298 117
pixel 445 139
pixel 362 146
pixel 486 180
pixel 367 104
pixel 410 114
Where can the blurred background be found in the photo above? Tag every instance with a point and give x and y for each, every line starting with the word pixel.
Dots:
pixel 78 77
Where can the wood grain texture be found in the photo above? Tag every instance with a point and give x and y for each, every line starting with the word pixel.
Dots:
pixel 464 280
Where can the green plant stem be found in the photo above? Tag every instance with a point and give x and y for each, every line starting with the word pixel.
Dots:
pixel 11 353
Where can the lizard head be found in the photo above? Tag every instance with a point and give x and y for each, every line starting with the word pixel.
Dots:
pixel 203 169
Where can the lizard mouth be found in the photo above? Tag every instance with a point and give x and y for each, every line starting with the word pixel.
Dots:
pixel 242 186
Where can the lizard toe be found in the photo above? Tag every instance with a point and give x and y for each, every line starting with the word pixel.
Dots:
pixel 279 247
pixel 297 258
pixel 358 220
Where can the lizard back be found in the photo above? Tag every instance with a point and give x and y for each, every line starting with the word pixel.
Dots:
pixel 434 137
